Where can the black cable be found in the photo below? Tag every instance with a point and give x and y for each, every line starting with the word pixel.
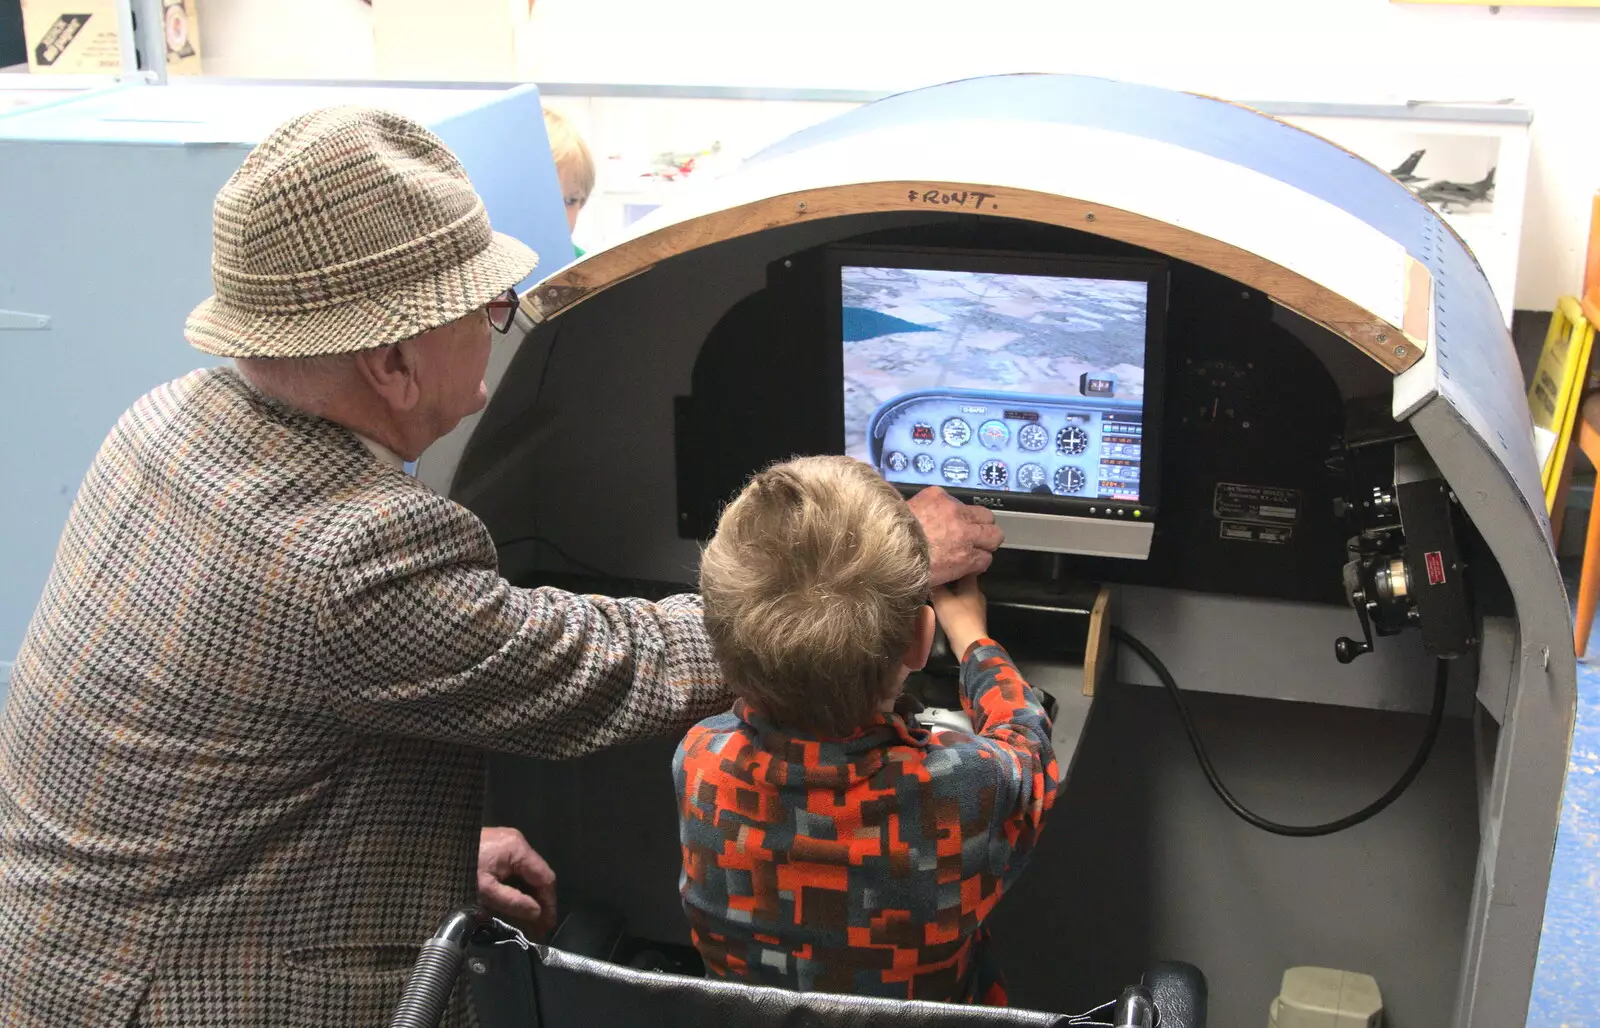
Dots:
pixel 1435 719
pixel 563 554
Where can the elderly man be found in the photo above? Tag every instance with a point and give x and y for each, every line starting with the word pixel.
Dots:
pixel 241 769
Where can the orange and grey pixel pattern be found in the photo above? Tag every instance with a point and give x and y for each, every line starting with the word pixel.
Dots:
pixel 864 865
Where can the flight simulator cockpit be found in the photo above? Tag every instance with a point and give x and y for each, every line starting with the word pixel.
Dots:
pixel 1249 416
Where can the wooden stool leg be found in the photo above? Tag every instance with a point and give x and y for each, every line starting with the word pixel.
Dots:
pixel 1588 581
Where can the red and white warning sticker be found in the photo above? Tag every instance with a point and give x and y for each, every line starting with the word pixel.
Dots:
pixel 1435 560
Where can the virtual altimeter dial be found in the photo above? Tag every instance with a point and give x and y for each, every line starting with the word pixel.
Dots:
pixel 1031 477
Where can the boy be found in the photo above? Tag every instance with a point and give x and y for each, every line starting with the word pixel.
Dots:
pixel 574 167
pixel 828 844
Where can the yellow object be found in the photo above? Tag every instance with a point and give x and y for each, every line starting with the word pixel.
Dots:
pixel 1556 389
pixel 1591 266
pixel 1321 997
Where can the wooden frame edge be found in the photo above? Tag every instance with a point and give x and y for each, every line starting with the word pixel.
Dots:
pixel 1396 347
pixel 1097 656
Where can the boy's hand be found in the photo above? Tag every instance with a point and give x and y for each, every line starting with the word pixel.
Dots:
pixel 963 613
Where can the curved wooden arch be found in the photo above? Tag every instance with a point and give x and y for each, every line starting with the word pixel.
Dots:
pixel 1306 254
pixel 1396 347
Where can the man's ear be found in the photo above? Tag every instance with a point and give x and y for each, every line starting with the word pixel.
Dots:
pixel 916 655
pixel 391 372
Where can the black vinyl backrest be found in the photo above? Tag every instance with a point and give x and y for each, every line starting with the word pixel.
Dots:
pixel 577 992
pixel 1179 992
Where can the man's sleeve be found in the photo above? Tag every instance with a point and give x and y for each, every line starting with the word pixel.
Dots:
pixel 419 635
pixel 1009 718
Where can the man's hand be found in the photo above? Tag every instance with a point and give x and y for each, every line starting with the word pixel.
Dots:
pixel 505 856
pixel 962 537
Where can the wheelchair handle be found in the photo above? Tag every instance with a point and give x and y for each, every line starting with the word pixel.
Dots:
pixel 433 977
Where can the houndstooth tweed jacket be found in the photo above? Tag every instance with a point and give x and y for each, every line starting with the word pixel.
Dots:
pixel 241 768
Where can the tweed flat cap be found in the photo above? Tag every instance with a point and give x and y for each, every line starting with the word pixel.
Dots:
pixel 348 228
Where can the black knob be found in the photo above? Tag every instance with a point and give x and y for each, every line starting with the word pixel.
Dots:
pixel 1347 649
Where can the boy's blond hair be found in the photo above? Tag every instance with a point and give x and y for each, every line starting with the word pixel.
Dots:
pixel 812 585
pixel 571 153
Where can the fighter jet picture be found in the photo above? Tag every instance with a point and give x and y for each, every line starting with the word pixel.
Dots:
pixel 1402 173
pixel 1449 196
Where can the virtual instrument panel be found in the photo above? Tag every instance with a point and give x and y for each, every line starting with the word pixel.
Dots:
pixel 1019 383
pixel 965 439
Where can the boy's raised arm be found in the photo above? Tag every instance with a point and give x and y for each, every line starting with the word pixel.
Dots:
pixel 1007 714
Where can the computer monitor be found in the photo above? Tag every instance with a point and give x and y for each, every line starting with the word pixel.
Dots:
pixel 1029 383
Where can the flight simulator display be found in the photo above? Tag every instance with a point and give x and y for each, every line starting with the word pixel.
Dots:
pixel 1025 390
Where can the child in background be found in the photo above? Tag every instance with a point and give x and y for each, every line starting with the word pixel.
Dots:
pixel 828 844
pixel 574 167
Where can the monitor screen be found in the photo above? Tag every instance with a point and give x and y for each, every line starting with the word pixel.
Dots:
pixel 1024 390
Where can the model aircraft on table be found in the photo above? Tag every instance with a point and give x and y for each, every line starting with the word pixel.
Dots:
pixel 1402 173
pixel 1449 196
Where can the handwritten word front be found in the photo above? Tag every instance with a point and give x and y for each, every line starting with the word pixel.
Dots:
pixel 969 198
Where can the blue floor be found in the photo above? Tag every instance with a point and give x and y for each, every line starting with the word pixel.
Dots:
pixel 1566 986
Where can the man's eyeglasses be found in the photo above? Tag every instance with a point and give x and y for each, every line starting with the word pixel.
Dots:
pixel 502 310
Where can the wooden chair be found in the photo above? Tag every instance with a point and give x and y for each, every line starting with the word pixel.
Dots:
pixel 1589 579
pixel 1587 433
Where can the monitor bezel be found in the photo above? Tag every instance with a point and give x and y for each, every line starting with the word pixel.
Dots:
pixel 1154 272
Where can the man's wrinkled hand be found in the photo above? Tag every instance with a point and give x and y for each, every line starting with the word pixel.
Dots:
pixel 962 537
pixel 504 856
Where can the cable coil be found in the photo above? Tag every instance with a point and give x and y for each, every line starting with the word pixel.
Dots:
pixel 1435 720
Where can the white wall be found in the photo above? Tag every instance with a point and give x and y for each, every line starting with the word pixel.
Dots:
pixel 1335 50
pixel 313 39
